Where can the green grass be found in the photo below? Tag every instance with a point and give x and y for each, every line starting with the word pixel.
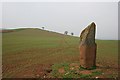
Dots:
pixel 96 73
pixel 32 38
pixel 26 47
pixel 68 73
pixel 93 67
pixel 75 73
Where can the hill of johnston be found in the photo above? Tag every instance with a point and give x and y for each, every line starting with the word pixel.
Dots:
pixel 26 51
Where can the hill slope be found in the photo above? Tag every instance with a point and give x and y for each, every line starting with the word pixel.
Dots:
pixel 25 50
pixel 32 38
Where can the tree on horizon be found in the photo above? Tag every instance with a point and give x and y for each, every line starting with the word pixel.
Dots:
pixel 43 28
pixel 72 33
pixel 66 32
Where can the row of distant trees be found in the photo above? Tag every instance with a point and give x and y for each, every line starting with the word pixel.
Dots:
pixel 66 32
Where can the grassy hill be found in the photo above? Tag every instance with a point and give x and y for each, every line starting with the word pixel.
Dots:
pixel 26 52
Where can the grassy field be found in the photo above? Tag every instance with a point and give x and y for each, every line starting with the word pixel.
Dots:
pixel 31 52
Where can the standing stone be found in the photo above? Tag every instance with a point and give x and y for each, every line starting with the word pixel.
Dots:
pixel 88 47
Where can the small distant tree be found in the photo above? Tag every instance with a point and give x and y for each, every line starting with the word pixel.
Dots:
pixel 43 28
pixel 66 32
pixel 72 33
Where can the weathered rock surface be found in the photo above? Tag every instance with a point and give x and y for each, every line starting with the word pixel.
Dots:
pixel 88 47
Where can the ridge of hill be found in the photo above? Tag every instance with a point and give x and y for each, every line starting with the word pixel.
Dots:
pixel 35 31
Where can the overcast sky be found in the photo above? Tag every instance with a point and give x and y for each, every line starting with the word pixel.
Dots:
pixel 61 16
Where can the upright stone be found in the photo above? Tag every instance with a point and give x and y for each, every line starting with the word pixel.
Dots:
pixel 88 47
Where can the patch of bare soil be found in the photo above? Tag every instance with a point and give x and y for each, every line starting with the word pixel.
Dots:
pixel 61 70
pixel 44 70
pixel 6 31
pixel 86 72
pixel 74 66
pixel 35 71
